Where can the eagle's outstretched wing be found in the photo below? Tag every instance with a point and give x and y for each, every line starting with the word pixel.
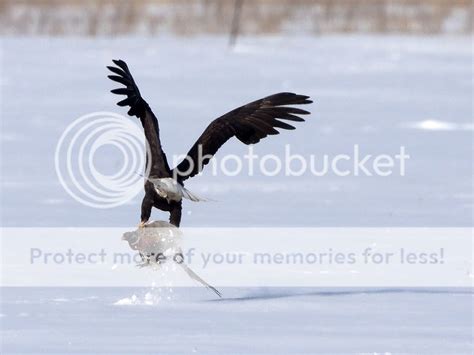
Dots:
pixel 138 107
pixel 248 123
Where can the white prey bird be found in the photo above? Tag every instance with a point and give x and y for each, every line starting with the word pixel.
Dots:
pixel 159 241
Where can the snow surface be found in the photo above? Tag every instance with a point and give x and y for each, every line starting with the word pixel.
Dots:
pixel 378 92
pixel 272 321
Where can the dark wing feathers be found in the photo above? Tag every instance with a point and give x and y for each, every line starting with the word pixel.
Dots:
pixel 139 108
pixel 121 91
pixel 249 123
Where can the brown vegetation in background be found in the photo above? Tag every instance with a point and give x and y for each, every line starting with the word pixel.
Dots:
pixel 186 17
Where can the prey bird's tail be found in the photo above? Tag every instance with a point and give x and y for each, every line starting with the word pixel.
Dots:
pixel 195 276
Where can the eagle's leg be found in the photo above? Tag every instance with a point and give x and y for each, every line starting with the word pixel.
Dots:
pixel 175 213
pixel 173 207
pixel 147 204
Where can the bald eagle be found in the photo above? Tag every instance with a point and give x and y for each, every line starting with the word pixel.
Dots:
pixel 164 187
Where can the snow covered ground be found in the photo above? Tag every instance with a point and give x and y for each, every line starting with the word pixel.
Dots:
pixel 378 92
pixel 272 321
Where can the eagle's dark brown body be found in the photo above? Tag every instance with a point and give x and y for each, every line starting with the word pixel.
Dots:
pixel 152 199
pixel 248 123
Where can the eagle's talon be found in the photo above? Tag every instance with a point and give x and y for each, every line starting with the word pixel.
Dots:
pixel 141 224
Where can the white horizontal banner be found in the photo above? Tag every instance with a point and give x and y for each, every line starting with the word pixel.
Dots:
pixel 235 257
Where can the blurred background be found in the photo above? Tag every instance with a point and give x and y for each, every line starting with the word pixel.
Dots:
pixel 192 17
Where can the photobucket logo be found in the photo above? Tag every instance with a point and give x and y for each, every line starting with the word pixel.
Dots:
pixel 74 159
pixel 290 164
